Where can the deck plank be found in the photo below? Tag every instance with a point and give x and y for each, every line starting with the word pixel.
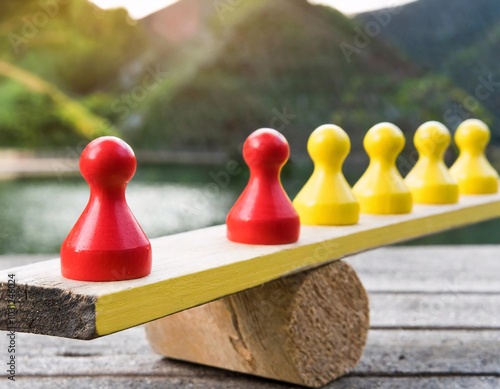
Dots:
pixel 452 382
pixel 447 269
pixel 389 352
pixel 416 310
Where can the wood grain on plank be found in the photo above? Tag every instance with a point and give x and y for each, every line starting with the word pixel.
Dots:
pixel 138 382
pixel 416 310
pixel 387 352
pixel 440 352
pixel 200 266
pixel 422 269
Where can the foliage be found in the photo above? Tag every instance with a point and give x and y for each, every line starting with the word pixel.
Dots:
pixel 30 119
pixel 74 50
pixel 460 41
pixel 80 48
pixel 251 64
pixel 282 66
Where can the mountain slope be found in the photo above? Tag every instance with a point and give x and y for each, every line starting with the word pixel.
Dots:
pixel 73 44
pixel 60 64
pixel 456 38
pixel 431 31
pixel 281 65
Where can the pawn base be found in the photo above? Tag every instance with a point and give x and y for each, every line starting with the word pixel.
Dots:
pixel 435 194
pixel 339 214
pixel 478 186
pixel 386 204
pixel 265 232
pixel 106 265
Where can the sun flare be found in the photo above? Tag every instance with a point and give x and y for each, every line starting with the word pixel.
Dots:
pixel 138 9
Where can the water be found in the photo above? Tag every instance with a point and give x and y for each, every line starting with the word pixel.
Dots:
pixel 36 215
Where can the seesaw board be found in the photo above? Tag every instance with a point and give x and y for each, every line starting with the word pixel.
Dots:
pixel 196 267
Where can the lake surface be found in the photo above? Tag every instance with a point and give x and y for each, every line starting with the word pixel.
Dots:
pixel 36 215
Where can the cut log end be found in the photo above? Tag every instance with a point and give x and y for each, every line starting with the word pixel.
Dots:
pixel 308 329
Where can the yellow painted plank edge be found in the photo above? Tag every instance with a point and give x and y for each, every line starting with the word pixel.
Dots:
pixel 128 308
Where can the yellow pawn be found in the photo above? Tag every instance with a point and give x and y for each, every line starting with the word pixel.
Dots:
pixel 472 170
pixel 326 198
pixel 381 189
pixel 430 181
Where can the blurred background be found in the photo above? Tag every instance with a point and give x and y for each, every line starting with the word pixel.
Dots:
pixel 184 83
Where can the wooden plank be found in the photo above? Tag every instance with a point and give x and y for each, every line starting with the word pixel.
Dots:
pixel 419 269
pixel 393 359
pixel 429 269
pixel 414 352
pixel 417 382
pixel 146 382
pixel 435 310
pixel 199 266
pixel 393 352
pixel 232 382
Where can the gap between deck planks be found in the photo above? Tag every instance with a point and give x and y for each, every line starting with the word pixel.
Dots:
pixel 200 266
pixel 393 358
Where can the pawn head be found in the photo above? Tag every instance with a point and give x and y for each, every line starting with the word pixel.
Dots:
pixel 472 135
pixel 108 162
pixel 266 148
pixel 328 144
pixel 384 141
pixel 432 139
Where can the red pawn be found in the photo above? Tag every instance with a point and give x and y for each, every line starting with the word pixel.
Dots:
pixel 264 214
pixel 106 243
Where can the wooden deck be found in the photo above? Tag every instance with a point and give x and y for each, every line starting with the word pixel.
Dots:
pixel 435 323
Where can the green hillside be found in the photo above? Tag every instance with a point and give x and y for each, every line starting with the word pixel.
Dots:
pixel 202 75
pixel 455 38
pixel 59 68
pixel 281 64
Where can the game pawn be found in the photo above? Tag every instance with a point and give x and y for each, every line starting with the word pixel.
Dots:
pixel 472 170
pixel 106 243
pixel 381 189
pixel 326 198
pixel 430 181
pixel 264 214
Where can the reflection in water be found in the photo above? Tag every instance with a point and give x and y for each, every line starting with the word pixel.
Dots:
pixel 36 216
